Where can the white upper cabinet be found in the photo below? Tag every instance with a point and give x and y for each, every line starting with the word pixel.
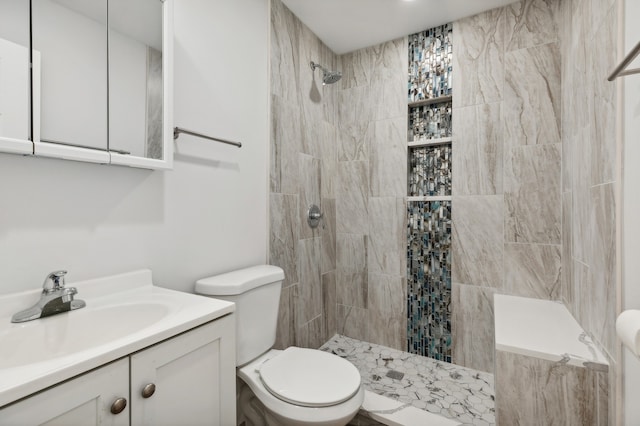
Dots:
pixel 15 88
pixel 99 85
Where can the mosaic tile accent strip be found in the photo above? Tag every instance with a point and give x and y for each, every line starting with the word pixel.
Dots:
pixel 430 57
pixel 429 279
pixel 462 394
pixel 430 121
pixel 430 170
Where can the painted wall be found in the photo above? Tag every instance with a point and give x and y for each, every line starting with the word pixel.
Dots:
pixel 631 221
pixel 206 216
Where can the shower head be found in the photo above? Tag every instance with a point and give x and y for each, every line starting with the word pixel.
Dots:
pixel 328 77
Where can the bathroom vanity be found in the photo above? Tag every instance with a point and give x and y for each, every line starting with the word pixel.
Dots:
pixel 137 354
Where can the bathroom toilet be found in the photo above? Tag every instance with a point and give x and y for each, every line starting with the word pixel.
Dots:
pixel 295 386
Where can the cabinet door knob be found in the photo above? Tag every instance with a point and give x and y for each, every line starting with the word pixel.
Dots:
pixel 118 405
pixel 148 390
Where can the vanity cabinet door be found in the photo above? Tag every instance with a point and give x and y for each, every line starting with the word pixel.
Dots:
pixel 83 401
pixel 192 377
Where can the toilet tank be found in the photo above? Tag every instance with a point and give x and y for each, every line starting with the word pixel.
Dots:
pixel 256 293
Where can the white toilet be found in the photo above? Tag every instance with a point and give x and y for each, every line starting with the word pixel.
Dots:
pixel 296 386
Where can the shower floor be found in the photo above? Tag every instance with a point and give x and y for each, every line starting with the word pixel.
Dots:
pixel 461 394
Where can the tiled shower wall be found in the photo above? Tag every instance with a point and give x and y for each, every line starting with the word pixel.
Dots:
pixel 303 170
pixel 588 48
pixel 342 146
pixel 370 206
pixel 506 205
pixel 534 170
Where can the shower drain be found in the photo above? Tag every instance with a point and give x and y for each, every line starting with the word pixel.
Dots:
pixel 396 375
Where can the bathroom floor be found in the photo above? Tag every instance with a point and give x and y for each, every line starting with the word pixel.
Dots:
pixel 464 395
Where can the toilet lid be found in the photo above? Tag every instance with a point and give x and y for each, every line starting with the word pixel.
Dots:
pixel 310 378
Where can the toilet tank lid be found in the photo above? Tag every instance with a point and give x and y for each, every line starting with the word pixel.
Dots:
pixel 240 281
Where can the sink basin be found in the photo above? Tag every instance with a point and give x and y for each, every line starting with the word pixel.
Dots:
pixel 71 332
pixel 124 314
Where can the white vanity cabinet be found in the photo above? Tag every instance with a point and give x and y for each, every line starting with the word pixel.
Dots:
pixel 193 375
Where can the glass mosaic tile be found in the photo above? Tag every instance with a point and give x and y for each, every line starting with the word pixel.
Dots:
pixel 430 121
pixel 430 58
pixel 429 279
pixel 430 171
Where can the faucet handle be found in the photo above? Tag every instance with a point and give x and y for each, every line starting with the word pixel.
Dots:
pixel 54 281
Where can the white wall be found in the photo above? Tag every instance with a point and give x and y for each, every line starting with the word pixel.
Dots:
pixel 207 216
pixel 631 222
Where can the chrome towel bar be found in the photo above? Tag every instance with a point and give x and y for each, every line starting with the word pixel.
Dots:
pixel 620 71
pixel 178 130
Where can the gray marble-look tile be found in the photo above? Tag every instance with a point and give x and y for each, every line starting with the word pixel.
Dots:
pixel 602 267
pixel 328 141
pixel 607 392
pixel 352 321
pixel 387 239
pixel 580 202
pixel 329 303
pixel 533 391
pixel 532 93
pixel 309 192
pixel 600 59
pixel 286 331
pixel 478 161
pixel 352 141
pixel 328 234
pixel 352 192
pixel 374 64
pixel 388 157
pixel 388 329
pixel 568 289
pixel 352 278
pixel 472 326
pixel 533 270
pixel 582 310
pixel 309 303
pixel 310 335
pixel 531 23
pixel 284 235
pixel 477 241
pixel 532 194
pixel 387 294
pixel 285 147
pixel 284 52
pixel 478 58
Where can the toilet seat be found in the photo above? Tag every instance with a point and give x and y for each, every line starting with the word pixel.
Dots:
pixel 310 378
pixel 292 414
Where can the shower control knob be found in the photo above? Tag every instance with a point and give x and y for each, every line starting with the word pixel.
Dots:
pixel 314 216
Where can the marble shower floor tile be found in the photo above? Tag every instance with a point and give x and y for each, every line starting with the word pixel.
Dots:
pixel 464 395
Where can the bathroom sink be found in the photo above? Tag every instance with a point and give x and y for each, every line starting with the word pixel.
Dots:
pixel 124 313
pixel 73 332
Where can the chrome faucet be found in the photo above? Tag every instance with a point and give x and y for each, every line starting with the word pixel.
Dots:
pixel 55 299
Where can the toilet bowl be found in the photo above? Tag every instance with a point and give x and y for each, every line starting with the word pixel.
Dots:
pixel 295 386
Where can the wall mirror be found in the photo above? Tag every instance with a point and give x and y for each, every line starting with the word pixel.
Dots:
pixel 15 86
pixel 100 82
pixel 70 37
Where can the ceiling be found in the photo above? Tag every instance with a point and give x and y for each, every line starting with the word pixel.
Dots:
pixel 347 25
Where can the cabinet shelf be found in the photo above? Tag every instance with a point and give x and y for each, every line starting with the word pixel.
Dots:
pixel 430 198
pixel 438 100
pixel 427 142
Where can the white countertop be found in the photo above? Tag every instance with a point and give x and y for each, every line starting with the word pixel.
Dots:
pixel 543 329
pixel 124 314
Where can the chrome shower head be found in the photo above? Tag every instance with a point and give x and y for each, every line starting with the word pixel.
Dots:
pixel 328 77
